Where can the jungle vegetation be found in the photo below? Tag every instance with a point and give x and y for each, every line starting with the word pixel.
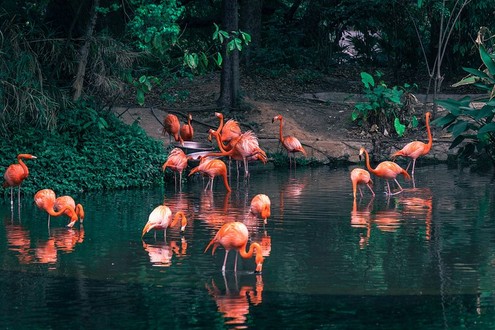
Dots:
pixel 65 64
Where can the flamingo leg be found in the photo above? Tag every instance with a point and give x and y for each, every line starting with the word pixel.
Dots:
pixel 180 181
pixel 11 197
pixel 225 261
pixel 388 191
pixel 19 196
pixel 371 189
pixel 235 262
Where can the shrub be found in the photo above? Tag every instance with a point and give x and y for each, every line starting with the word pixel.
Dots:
pixel 84 154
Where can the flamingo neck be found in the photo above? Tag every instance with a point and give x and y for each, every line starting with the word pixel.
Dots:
pixel 281 137
pixel 178 215
pixel 428 131
pixel 220 125
pixel 249 254
pixel 368 166
pixel 23 165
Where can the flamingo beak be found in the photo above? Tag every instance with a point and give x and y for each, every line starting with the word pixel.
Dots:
pixel 182 229
pixel 273 120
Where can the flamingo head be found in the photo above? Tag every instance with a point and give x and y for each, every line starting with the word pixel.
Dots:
pixel 361 152
pixel 277 117
pixel 218 115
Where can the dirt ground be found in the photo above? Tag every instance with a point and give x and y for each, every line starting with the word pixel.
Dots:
pixel 318 114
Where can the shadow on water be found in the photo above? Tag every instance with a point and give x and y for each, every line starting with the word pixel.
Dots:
pixel 424 258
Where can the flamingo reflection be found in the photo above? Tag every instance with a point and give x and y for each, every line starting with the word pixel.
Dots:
pixel 19 241
pixel 361 218
pixel 234 303
pixel 387 220
pixel 161 254
pixel 417 203
pixel 43 250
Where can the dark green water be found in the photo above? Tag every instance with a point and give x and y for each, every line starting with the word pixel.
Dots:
pixel 423 259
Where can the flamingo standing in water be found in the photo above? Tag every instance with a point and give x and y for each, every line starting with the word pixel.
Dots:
pixel 387 170
pixel 290 143
pixel 244 147
pixel 227 132
pixel 171 125
pixel 360 177
pixel 45 200
pixel 161 218
pixel 177 162
pixel 187 131
pixel 67 201
pixel 212 168
pixel 234 236
pixel 416 149
pixel 260 206
pixel 15 175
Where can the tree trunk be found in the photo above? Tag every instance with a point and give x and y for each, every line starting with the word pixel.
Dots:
pixel 250 22
pixel 84 52
pixel 229 82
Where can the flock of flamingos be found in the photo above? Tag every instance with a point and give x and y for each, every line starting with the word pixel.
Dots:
pixel 236 145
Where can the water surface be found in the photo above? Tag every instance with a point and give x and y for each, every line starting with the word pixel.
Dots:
pixel 422 258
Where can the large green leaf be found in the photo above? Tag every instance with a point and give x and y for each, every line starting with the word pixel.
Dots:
pixel 367 79
pixel 476 72
pixel 459 128
pixel 456 141
pixel 484 112
pixel 453 106
pixel 488 128
pixel 487 60
pixel 444 121
pixel 399 128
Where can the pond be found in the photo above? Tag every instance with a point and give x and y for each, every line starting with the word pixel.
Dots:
pixel 424 258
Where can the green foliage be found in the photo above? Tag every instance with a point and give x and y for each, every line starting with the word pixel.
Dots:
pixel 154 25
pixel 89 151
pixel 473 129
pixel 384 105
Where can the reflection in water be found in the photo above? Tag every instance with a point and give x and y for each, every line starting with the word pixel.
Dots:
pixel 44 250
pixel 161 253
pixel 360 218
pixel 233 302
pixel 417 203
pixel 19 241
pixel 387 220
pixel 213 214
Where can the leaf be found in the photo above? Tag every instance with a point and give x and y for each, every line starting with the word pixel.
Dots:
pixel 466 81
pixel 444 121
pixel 484 112
pixel 453 106
pixel 456 141
pixel 140 96
pixel 414 122
pixel 476 72
pixel 488 128
pixel 459 128
pixel 367 79
pixel 399 128
pixel 142 79
pixel 487 60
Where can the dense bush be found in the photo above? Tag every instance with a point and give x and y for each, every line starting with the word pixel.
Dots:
pixel 84 154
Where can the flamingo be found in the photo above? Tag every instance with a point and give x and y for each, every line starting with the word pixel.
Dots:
pixel 244 147
pixel 290 143
pixel 359 177
pixel 234 236
pixel 161 218
pixel 45 200
pixel 187 131
pixel 230 130
pixel 15 175
pixel 171 125
pixel 212 168
pixel 260 206
pixel 67 201
pixel 416 149
pixel 177 162
pixel 387 170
